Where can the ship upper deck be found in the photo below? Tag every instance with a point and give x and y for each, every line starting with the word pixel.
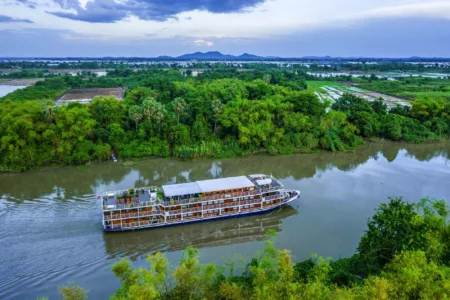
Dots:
pixel 132 195
pixel 203 190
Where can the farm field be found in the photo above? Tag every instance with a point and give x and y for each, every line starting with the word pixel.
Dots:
pixel 331 91
pixel 412 88
pixel 85 95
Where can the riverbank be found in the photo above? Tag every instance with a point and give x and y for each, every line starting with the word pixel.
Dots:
pixel 262 153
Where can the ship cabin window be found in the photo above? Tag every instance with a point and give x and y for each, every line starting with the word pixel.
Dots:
pixel 221 201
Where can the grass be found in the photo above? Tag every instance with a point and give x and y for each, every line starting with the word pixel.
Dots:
pixel 421 95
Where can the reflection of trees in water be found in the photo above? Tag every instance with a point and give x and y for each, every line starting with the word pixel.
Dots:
pixel 72 182
pixel 67 181
pixel 216 233
pixel 428 151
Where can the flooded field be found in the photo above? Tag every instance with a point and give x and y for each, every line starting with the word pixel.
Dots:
pixel 334 92
pixel 51 219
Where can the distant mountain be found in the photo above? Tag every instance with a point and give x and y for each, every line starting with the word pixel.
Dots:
pixel 207 55
pixel 249 56
pixel 164 57
pixel 212 55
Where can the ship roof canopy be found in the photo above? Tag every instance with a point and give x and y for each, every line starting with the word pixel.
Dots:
pixel 181 189
pixel 264 181
pixel 222 184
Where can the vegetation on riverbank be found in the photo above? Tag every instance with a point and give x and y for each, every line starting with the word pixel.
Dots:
pixel 404 254
pixel 217 114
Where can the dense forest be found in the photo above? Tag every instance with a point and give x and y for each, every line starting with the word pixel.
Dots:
pixel 219 113
pixel 404 254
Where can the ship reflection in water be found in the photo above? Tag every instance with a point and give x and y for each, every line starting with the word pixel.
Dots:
pixel 138 244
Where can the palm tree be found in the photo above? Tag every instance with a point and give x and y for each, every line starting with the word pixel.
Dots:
pixel 179 107
pixel 49 110
pixel 216 106
pixel 160 113
pixel 135 114
pixel 149 108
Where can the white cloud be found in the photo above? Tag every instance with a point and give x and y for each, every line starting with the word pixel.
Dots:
pixel 270 19
pixel 439 9
pixel 203 43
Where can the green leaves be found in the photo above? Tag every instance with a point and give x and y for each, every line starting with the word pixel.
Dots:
pixel 135 113
pixel 398 226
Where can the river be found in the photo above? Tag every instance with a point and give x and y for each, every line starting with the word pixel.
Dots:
pixel 50 220
pixel 6 89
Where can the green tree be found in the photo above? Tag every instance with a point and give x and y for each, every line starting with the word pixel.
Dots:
pixel 412 276
pixel 49 110
pixel 179 107
pixel 73 125
pixel 135 114
pixel 216 106
pixel 73 292
pixel 395 227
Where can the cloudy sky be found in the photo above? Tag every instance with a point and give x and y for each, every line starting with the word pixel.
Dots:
pixel 289 28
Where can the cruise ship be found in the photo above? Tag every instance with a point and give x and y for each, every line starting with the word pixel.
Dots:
pixel 198 201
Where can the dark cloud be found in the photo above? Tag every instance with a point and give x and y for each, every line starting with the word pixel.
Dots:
pixel 108 11
pixel 6 19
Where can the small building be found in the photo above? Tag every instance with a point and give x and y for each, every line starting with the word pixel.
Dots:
pixel 86 95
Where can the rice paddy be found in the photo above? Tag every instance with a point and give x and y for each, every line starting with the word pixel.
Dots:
pixel 330 91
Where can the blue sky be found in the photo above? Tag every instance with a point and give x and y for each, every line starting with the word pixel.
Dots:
pixel 288 28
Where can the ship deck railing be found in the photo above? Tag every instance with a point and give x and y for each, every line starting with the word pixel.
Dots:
pixel 198 209
pixel 145 223
pixel 190 200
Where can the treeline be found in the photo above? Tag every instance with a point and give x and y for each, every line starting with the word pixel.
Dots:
pixel 425 120
pixel 404 254
pixel 390 66
pixel 24 74
pixel 167 114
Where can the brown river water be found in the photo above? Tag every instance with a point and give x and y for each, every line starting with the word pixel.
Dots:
pixel 50 220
